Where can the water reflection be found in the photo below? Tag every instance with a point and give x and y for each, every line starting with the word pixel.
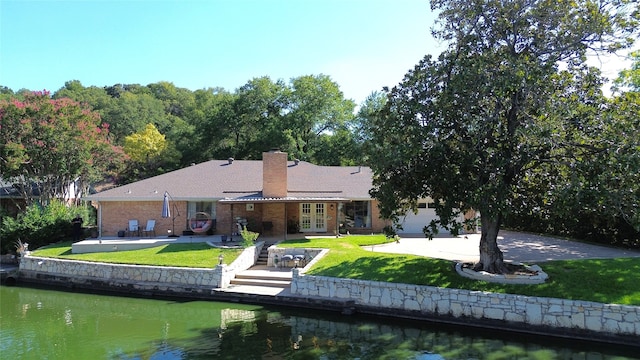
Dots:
pixel 45 324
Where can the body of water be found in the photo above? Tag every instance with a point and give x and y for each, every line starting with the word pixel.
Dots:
pixel 50 324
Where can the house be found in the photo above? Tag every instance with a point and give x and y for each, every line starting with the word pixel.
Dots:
pixel 13 201
pixel 274 197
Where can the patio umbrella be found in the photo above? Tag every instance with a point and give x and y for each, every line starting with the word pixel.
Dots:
pixel 166 209
pixel 166 213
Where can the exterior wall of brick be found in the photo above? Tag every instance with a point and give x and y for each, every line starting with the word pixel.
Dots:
pixel 120 212
pixel 223 219
pixel 275 214
pixel 377 223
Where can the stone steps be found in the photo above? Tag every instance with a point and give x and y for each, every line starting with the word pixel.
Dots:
pixel 263 257
pixel 263 276
pixel 261 282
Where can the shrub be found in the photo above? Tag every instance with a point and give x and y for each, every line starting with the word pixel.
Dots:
pixel 248 237
pixel 39 226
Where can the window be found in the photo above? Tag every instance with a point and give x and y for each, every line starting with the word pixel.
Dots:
pixel 305 216
pixel 355 214
pixel 208 207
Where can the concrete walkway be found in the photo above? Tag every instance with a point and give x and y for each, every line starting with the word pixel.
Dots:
pixel 516 246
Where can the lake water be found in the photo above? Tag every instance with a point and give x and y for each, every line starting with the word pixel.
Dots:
pixel 48 324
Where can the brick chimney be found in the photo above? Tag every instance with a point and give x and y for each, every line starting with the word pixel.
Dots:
pixel 274 174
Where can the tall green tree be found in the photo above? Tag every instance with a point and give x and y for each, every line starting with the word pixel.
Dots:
pixel 259 108
pixel 49 144
pixel 94 97
pixel 210 117
pixel 317 107
pixel 467 127
pixel 599 196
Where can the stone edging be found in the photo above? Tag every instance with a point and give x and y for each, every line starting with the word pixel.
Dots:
pixel 539 278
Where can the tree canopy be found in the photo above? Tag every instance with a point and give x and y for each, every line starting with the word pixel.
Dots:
pixel 468 127
pixel 308 117
pixel 48 144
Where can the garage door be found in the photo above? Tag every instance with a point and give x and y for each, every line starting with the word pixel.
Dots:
pixel 413 223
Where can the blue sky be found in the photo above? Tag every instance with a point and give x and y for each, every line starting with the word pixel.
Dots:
pixel 362 45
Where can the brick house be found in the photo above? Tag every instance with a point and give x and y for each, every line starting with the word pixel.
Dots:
pixel 274 197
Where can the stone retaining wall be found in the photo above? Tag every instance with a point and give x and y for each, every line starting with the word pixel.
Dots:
pixel 140 277
pixel 460 303
pixel 276 252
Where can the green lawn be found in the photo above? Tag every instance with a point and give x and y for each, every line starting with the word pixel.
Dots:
pixel 614 281
pixel 199 255
pixel 607 281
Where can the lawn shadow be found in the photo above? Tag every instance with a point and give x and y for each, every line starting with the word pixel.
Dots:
pixel 172 248
pixel 394 269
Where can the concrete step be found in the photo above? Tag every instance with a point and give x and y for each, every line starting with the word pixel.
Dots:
pixel 248 290
pixel 247 275
pixel 261 282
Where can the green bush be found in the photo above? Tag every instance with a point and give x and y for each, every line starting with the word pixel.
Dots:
pixel 39 226
pixel 248 237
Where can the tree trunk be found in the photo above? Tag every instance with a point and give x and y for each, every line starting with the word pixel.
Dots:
pixel 491 259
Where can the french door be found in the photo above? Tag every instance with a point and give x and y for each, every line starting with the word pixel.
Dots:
pixel 313 217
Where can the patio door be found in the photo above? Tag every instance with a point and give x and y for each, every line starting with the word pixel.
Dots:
pixel 313 217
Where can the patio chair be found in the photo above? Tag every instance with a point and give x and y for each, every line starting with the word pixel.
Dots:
pixel 133 228
pixel 150 229
pixel 287 259
pixel 200 222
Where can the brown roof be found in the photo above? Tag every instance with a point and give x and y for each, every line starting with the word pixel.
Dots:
pixel 242 179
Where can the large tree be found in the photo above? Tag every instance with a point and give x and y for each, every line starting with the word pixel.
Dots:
pixel 466 128
pixel 317 108
pixel 48 144
pixel 257 126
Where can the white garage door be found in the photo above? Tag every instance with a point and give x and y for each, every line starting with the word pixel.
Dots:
pixel 413 223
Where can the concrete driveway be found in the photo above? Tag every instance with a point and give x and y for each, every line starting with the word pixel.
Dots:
pixel 520 247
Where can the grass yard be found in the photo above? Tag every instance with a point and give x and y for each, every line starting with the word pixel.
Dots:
pixel 198 255
pixel 615 281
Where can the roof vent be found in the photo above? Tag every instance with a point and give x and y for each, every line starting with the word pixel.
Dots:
pixel 230 160
pixel 296 161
